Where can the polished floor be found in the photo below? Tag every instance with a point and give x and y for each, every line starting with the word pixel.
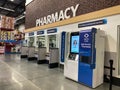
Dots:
pixel 20 74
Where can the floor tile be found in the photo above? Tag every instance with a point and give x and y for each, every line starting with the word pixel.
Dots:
pixel 21 74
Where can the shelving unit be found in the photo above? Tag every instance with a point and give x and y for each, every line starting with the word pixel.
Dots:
pixel 7 41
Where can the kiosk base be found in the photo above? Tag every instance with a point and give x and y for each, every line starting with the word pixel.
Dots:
pixel 32 58
pixel 42 62
pixel 23 56
pixel 53 65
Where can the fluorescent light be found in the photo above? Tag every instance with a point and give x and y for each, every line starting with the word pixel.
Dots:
pixel 7 9
pixel 19 18
pixel 12 0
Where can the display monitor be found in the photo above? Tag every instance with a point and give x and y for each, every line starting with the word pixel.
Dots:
pixel 74 43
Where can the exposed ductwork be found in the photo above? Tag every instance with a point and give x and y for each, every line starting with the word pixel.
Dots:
pixel 12 8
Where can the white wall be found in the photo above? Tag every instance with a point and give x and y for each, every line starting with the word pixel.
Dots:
pixel 110 30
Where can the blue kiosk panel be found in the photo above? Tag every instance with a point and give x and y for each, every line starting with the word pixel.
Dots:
pixel 87 56
pixel 63 38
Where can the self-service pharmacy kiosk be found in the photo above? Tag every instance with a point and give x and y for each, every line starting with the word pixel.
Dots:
pixel 41 47
pixel 52 56
pixel 91 61
pixel 24 49
pixel 31 53
pixel 88 68
pixel 31 46
pixel 71 62
pixel 40 39
pixel 31 41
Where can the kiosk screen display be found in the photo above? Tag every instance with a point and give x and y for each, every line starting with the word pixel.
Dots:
pixel 74 44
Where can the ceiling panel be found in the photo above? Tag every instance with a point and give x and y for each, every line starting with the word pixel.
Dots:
pixel 17 5
pixel 10 5
pixel 13 9
pixel 4 12
pixel 18 1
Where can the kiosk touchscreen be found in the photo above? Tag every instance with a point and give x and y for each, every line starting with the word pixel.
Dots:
pixel 74 46
pixel 71 61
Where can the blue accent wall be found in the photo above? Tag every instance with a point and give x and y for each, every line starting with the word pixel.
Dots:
pixel 63 37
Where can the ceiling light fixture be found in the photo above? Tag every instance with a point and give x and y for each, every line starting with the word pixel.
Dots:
pixel 7 9
pixel 12 0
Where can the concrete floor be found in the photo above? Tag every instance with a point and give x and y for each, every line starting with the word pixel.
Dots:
pixel 20 74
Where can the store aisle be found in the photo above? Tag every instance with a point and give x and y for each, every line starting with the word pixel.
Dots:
pixel 19 74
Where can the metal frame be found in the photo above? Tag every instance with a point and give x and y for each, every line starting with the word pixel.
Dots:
pixel 12 8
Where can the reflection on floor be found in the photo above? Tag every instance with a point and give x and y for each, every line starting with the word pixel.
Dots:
pixel 20 74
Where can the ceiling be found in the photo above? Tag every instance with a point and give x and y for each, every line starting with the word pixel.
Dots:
pixel 15 8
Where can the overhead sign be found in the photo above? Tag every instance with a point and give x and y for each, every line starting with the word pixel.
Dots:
pixel 31 34
pixel 40 32
pixel 57 16
pixel 93 23
pixel 52 31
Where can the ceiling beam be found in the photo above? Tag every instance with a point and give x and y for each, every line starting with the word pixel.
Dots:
pixel 5 1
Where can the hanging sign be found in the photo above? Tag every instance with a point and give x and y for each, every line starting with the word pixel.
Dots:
pixel 40 32
pixel 52 31
pixel 93 23
pixel 31 34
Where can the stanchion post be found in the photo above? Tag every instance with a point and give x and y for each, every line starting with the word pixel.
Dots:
pixel 111 69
